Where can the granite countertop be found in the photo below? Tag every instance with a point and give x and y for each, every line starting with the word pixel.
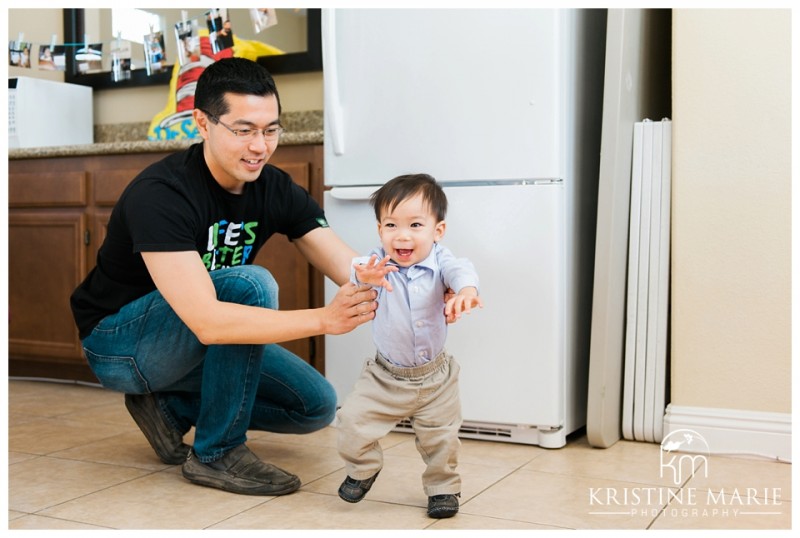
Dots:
pixel 301 128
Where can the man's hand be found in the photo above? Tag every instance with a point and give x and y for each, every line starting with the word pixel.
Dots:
pixel 352 306
pixel 374 272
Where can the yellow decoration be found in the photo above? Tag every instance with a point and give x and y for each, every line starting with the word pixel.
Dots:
pixel 175 122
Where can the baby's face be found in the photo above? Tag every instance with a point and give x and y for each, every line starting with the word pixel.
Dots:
pixel 409 231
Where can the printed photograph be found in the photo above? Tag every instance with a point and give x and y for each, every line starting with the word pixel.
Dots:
pixel 19 54
pixel 89 58
pixel 52 58
pixel 155 57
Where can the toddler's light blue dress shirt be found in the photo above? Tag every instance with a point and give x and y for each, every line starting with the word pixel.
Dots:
pixel 409 328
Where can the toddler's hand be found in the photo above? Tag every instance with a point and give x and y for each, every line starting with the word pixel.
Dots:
pixel 374 272
pixel 461 303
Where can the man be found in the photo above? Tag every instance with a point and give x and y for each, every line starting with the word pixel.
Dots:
pixel 176 316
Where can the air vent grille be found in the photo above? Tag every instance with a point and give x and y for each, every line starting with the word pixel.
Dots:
pixel 487 432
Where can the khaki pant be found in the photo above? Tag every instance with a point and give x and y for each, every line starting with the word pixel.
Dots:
pixel 386 394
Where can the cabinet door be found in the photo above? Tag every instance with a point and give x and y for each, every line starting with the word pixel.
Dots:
pixel 289 268
pixel 301 284
pixel 47 254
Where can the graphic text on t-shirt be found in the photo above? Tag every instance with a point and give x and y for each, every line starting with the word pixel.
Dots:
pixel 229 244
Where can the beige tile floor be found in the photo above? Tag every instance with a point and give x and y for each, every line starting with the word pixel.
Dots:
pixel 76 460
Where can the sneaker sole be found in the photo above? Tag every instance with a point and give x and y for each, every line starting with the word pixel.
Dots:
pixel 443 513
pixel 351 499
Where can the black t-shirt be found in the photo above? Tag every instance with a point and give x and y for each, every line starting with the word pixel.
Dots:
pixel 176 205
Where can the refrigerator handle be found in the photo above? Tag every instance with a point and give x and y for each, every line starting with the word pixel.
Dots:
pixel 353 193
pixel 333 104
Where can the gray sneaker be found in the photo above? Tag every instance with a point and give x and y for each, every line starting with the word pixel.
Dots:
pixel 353 490
pixel 240 471
pixel 165 440
pixel 443 506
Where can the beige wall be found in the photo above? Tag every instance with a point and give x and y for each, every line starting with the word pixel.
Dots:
pixel 302 91
pixel 38 27
pixel 731 251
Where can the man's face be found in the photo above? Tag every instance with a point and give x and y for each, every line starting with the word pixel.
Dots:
pixel 235 160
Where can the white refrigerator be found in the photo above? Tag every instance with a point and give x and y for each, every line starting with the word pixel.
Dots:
pixel 502 106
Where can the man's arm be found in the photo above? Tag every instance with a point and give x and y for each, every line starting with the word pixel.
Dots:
pixel 327 252
pixel 186 285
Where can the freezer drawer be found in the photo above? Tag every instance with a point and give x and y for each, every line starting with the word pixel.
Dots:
pixel 512 351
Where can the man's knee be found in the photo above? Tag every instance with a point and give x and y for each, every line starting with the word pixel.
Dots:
pixel 323 413
pixel 248 284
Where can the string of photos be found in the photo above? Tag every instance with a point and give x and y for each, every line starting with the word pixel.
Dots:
pixel 88 55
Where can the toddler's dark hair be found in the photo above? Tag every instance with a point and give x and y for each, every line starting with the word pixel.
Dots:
pixel 404 187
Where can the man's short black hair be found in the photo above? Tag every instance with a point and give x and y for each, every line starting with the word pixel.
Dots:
pixel 232 75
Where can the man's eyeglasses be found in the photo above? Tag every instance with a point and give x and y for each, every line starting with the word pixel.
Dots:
pixel 270 133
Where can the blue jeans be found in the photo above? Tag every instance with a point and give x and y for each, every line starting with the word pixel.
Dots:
pixel 221 390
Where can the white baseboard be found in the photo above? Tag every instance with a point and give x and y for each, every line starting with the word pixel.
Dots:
pixel 735 432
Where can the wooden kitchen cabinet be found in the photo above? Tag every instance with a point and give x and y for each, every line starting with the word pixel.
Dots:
pixel 58 212
pixel 48 227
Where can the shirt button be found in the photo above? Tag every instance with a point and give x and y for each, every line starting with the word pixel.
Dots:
pixel 419 324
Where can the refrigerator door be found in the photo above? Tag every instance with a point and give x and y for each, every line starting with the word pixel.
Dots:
pixel 511 352
pixel 461 94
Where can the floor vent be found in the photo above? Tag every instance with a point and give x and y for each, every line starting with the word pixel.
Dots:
pixel 487 432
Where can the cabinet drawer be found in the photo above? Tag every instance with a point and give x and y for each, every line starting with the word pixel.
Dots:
pixel 109 184
pixel 53 189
